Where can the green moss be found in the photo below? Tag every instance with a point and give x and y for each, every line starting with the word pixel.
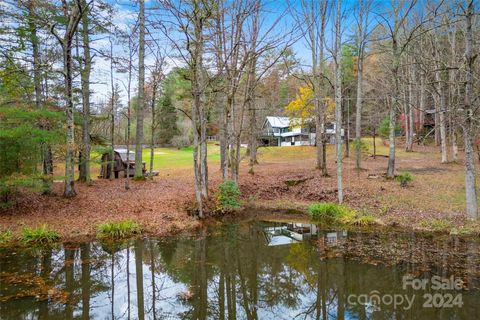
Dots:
pixel 118 229
pixel 39 236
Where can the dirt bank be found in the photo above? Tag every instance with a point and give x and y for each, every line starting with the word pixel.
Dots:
pixel 433 201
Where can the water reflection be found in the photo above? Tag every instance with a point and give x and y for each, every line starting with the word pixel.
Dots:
pixel 253 270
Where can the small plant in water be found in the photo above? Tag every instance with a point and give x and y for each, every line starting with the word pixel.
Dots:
pixel 41 235
pixel 404 178
pixel 227 196
pixel 118 229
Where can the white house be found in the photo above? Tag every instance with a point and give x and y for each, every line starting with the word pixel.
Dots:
pixel 279 131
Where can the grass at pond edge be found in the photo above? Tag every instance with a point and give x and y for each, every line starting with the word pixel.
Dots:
pixel 41 235
pixel 118 229
pixel 366 218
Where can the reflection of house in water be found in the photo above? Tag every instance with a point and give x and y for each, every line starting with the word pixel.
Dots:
pixel 287 233
pixel 332 238
pixel 278 234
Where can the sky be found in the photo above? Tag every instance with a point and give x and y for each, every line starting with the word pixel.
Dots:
pixel 125 17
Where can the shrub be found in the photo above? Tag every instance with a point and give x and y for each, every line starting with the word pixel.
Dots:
pixel 118 229
pixel 404 178
pixel 339 213
pixel 227 196
pixel 332 211
pixel 5 237
pixel 41 235
pixel 384 129
pixel 361 145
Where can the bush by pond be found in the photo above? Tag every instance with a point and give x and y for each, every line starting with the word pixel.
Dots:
pixel 333 212
pixel 41 235
pixel 118 229
pixel 227 196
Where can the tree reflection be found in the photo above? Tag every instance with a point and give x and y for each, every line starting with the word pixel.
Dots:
pixel 238 272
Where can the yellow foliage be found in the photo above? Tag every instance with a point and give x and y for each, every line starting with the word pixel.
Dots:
pixel 303 108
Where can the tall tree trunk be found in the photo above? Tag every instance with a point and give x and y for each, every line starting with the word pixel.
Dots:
pixel 338 103
pixel 46 153
pixel 199 121
pixel 441 110
pixel 469 125
pixel 154 125
pixel 252 115
pixel 73 19
pixel 393 110
pixel 141 94
pixel 84 172
pixel 358 113
pixel 69 190
pixel 129 113
pixel 320 119
pixel 411 115
pixel 112 117
pixel 223 135
pixel 421 112
pixel 453 91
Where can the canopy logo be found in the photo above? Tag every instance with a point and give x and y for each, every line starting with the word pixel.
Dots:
pixel 442 298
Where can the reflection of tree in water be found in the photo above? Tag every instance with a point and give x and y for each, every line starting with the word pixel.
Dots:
pixel 233 273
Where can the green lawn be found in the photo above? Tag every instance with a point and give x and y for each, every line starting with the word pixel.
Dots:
pixel 165 158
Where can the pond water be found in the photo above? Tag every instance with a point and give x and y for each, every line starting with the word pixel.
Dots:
pixel 247 270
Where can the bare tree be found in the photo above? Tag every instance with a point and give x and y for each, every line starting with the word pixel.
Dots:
pixel 46 153
pixel 469 121
pixel 191 19
pixel 84 166
pixel 112 111
pixel 156 78
pixel 313 17
pixel 400 14
pixel 141 93
pixel 73 13
pixel 362 37
pixel 337 53
pixel 129 38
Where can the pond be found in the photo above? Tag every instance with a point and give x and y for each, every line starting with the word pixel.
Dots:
pixel 247 270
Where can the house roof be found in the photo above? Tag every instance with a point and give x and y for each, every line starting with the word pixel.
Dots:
pixel 279 122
